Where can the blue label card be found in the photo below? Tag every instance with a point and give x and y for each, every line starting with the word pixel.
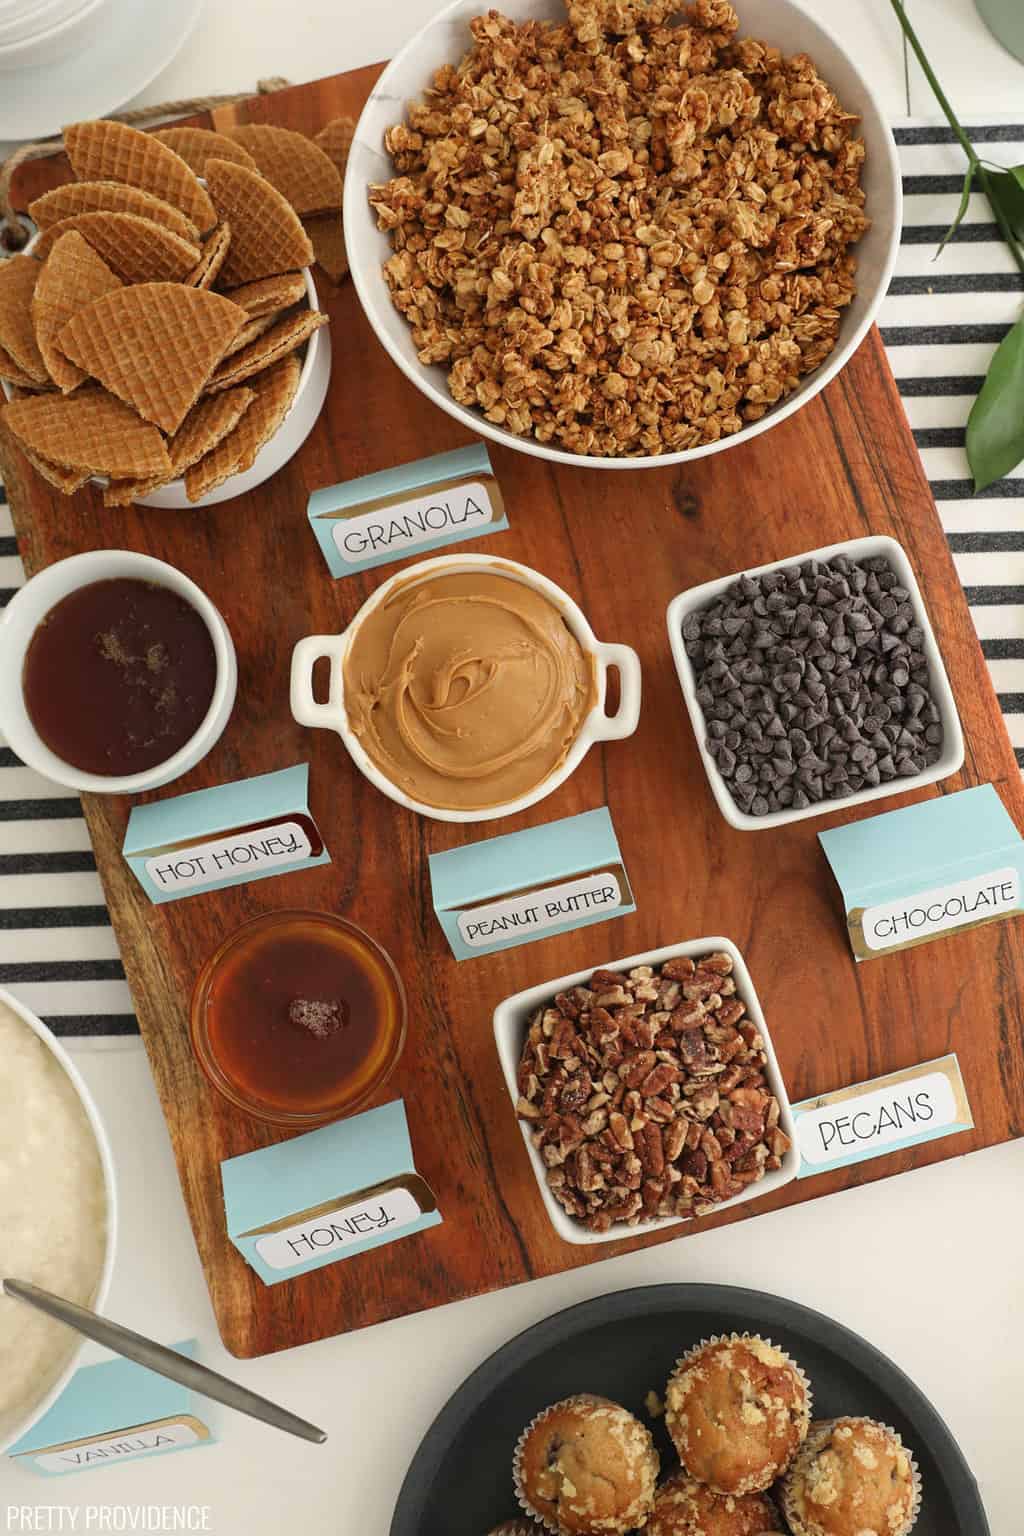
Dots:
pixel 112 1412
pixel 529 885
pixel 329 1195
pixel 410 509
pixel 223 836
pixel 887 1114
pixel 910 876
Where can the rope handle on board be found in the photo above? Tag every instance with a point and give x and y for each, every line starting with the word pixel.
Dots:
pixel 13 234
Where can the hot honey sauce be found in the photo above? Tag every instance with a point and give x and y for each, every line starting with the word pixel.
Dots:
pixel 299 1017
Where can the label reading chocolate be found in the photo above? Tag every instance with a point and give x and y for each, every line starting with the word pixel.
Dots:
pixel 390 531
pixel 170 1435
pixel 239 855
pixel 974 900
pixel 850 1125
pixel 324 1234
pixel 532 911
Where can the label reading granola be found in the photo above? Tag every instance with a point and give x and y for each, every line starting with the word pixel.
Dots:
pixel 392 531
pixel 532 911
pixel 851 1125
pixel 326 1234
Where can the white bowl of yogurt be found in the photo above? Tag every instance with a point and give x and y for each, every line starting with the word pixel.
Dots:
pixel 58 1212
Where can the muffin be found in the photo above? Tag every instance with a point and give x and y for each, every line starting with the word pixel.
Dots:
pixel 520 1527
pixel 854 1477
pixel 684 1507
pixel 586 1465
pixel 738 1410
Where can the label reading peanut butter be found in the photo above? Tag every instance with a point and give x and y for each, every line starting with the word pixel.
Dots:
pixel 532 911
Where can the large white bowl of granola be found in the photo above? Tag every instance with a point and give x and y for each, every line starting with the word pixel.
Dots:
pixel 618 240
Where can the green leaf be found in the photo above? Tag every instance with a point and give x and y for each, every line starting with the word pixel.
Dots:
pixel 965 197
pixel 995 427
pixel 1005 191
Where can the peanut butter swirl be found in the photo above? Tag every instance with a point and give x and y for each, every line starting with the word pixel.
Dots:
pixel 467 690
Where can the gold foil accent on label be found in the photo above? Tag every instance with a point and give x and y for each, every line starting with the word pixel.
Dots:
pixel 412 1183
pixel 170 1421
pixel 618 871
pixel 416 493
pixel 863 951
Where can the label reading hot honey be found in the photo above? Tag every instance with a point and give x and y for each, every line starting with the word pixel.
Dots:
pixel 247 852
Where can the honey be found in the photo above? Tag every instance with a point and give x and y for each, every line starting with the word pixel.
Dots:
pixel 299 1017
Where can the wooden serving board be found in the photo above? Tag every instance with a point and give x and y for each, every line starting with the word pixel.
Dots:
pixel 622 544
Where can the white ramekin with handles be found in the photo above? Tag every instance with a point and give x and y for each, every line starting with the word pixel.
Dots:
pixel 26 611
pixel 598 726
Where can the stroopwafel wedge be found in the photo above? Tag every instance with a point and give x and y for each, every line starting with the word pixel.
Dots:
pixel 250 333
pixel 266 235
pixel 207 424
pixel 90 430
pixel 284 337
pixel 275 392
pixel 18 278
pixel 298 168
pixel 207 269
pixel 106 151
pixel 73 276
pixel 269 294
pixel 197 145
pixel 154 345
pixel 68 481
pixel 335 139
pixel 137 249
pixel 328 237
pixel 76 197
pixel 10 372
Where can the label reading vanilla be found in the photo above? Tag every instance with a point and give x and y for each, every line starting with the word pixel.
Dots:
pixel 456 511
pixel 123 1446
pixel 236 855
pixel 531 911
pixel 976 899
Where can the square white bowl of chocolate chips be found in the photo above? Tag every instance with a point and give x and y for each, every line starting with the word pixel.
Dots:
pixel 818 686
pixel 702 1096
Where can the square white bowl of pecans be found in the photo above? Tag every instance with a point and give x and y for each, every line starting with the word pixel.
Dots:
pixel 648 1091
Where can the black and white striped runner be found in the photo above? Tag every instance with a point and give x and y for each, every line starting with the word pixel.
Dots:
pixel 940 323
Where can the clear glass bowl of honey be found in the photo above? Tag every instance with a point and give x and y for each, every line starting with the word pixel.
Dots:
pixel 298 1018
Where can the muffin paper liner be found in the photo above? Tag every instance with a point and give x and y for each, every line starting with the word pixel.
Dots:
pixel 686 1360
pixel 583 1399
pixel 820 1430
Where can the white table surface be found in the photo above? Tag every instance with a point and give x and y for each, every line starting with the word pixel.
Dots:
pixel 928 1266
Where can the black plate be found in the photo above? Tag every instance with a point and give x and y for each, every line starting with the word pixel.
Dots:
pixel 622 1345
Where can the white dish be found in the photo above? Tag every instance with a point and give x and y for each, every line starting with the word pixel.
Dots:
pixel 444 40
pixel 511 1023
pixel 135 41
pixel 50 1391
pixel 29 607
pixel 37 18
pixel 71 29
pixel 857 549
pixel 596 727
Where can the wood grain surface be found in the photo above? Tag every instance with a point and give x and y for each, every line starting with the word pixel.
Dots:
pixel 622 544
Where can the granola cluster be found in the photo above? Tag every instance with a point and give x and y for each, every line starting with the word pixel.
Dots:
pixel 647 1093
pixel 620 236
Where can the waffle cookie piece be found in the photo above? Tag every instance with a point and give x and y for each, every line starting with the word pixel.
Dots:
pixel 295 165
pixel 328 237
pixel 89 430
pixel 106 151
pixel 207 424
pixel 67 481
pixel 275 391
pixel 197 145
pixel 266 235
pixel 73 277
pixel 76 197
pixel 139 250
pixel 207 269
pixel 18 278
pixel 335 139
pixel 154 345
pixel 270 294
pixel 286 336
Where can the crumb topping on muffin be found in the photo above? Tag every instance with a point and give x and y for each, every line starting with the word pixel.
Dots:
pixel 685 1507
pixel 854 1478
pixel 587 1465
pixel 737 1410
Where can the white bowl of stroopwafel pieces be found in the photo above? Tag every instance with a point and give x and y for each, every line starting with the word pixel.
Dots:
pixel 162 337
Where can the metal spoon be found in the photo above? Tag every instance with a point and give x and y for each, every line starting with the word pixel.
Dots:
pixel 166 1362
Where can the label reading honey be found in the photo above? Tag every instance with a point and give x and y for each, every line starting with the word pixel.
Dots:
pixel 323 1234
